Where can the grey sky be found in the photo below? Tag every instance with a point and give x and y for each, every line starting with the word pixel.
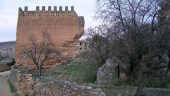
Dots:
pixel 9 13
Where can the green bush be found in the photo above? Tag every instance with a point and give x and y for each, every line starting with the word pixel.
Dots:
pixel 151 83
pixel 115 81
pixel 122 82
pixel 134 82
pixel 133 78
pixel 156 83
pixel 164 83
pixel 11 63
pixel 88 72
pixel 73 69
pixel 11 87
pixel 90 76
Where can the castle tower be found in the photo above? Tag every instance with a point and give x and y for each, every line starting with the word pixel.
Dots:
pixel 64 26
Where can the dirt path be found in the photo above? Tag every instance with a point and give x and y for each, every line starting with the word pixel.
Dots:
pixel 4 86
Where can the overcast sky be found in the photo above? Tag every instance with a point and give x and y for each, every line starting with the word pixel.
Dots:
pixel 9 13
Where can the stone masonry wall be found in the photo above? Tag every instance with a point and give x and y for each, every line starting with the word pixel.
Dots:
pixel 27 87
pixel 64 26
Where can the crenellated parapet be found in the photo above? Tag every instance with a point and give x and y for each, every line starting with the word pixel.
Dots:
pixel 54 12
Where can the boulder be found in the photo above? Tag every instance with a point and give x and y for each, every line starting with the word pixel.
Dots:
pixel 123 63
pixel 107 71
pixel 113 68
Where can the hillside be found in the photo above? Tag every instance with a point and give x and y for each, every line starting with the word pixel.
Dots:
pixel 7 44
pixel 7 49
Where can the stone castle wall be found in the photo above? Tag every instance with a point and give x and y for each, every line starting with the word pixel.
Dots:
pixel 27 87
pixel 65 28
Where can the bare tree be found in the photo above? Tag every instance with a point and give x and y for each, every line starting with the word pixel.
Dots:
pixel 40 51
pixel 137 20
pixel 100 43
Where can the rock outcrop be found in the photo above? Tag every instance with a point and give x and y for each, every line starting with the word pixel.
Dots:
pixel 113 68
pixel 107 72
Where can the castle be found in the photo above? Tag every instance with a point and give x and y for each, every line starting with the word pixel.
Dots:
pixel 65 28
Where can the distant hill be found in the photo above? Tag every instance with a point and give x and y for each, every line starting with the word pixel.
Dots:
pixel 7 44
pixel 7 49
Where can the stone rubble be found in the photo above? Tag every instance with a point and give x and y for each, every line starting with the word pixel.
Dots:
pixel 27 87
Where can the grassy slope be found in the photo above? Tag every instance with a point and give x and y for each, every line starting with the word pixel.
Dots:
pixel 83 70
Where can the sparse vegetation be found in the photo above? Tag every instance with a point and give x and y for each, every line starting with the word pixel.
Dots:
pixel 11 87
pixel 132 80
pixel 130 91
pixel 118 82
pixel 81 71
pixel 157 83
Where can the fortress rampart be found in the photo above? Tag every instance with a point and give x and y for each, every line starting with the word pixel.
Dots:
pixel 64 26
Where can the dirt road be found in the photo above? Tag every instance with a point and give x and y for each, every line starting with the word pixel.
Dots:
pixel 4 86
